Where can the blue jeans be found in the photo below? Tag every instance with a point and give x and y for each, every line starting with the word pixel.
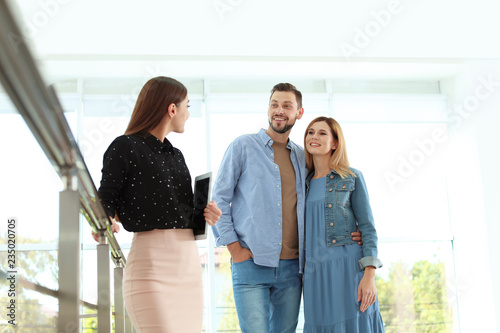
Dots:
pixel 267 299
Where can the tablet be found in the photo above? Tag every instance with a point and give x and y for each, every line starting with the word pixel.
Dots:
pixel 202 193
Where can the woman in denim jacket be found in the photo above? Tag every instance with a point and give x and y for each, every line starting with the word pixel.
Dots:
pixel 339 278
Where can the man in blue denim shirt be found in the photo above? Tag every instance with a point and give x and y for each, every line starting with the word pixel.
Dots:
pixel 260 188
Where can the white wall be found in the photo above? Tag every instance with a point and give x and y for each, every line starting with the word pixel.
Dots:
pixel 488 141
pixel 473 189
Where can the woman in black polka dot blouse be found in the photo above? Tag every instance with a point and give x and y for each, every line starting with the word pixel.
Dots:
pixel 147 185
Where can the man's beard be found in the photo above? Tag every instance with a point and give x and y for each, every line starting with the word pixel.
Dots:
pixel 285 129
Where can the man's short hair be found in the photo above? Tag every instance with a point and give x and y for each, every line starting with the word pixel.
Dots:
pixel 288 87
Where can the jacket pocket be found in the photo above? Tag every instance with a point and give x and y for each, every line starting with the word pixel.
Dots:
pixel 343 190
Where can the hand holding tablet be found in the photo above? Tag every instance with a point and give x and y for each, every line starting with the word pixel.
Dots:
pixel 202 208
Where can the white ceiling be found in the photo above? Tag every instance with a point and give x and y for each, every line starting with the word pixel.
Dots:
pixel 369 39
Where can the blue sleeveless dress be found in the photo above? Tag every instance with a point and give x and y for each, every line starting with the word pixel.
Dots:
pixel 331 277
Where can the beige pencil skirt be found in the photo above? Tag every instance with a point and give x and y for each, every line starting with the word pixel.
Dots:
pixel 162 284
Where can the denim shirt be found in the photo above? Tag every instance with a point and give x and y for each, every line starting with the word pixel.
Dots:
pixel 248 192
pixel 347 206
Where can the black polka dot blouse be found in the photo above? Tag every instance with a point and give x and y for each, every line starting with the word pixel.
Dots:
pixel 147 183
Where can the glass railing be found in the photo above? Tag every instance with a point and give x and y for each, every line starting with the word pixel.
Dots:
pixel 41 110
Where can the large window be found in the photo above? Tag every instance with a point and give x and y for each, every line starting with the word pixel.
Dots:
pixel 29 198
pixel 399 142
pixel 396 140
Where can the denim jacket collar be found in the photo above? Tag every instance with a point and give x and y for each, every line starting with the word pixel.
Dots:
pixel 311 174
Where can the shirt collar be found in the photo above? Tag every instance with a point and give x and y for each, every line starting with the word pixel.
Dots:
pixel 157 145
pixel 267 141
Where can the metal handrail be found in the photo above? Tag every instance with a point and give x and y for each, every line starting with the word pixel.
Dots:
pixel 43 113
pixel 44 290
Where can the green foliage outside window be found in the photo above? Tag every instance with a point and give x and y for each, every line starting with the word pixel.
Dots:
pixel 415 301
pixel 39 267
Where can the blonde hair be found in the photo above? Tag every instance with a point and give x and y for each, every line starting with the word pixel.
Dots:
pixel 338 160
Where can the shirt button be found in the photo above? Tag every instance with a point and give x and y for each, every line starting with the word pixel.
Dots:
pixel 276 167
pixel 279 205
pixel 331 224
pixel 334 241
pixel 279 243
pixel 277 186
pixel 279 223
pixel 330 189
pixel 330 206
pixel 331 177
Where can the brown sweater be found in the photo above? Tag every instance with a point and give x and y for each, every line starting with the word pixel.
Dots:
pixel 290 242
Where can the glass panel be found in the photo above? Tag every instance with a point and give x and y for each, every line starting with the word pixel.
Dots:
pixel 390 108
pixel 404 171
pixel 89 276
pixel 32 311
pixel 237 103
pixel 225 312
pixel 205 266
pixel 89 290
pixel 30 186
pixel 416 287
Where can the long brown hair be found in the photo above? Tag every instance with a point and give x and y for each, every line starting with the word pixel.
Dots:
pixel 338 160
pixel 153 102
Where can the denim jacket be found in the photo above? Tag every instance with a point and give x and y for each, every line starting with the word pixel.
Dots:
pixel 347 206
